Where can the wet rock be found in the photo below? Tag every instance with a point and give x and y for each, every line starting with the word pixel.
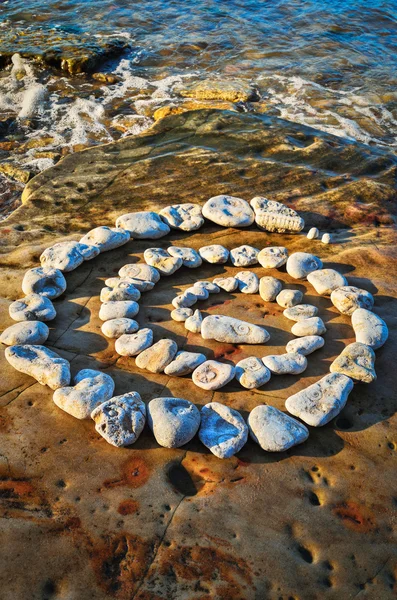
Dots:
pixel 348 298
pixel 67 256
pixel 244 256
pixel 134 343
pixel 190 258
pixel 275 431
pixel 231 91
pixel 91 389
pixel 32 307
pixel 158 356
pixel 300 312
pixel 139 272
pixel 292 363
pixel 222 430
pixel 232 331
pixel 118 309
pixel 162 261
pixel 214 254
pixel 194 322
pixel 317 404
pixel 275 217
pixel 325 281
pixel 143 225
pixel 305 345
pixel 114 328
pixel 45 281
pixel 187 217
pixel 248 282
pixel 184 363
pixel 228 211
pixel 311 326
pixel 27 332
pixel 174 421
pixel 44 365
pixel 356 361
pixel 106 238
pixel 228 284
pixel 300 264
pixel 313 233
pixel 369 328
pixel 181 314
pixel 269 288
pixel 212 375
pixel 122 291
pixel 273 257
pixel 120 420
pixel 289 298
pixel 184 300
pixel 251 373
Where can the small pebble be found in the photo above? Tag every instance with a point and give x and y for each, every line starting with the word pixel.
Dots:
pixel 222 430
pixel 251 373
pixel 158 356
pixel 313 233
pixel 118 310
pixel 305 345
pixel 311 326
pixel 214 254
pixel 120 420
pixel 275 431
pixel 273 257
pixel 174 421
pixel 291 363
pixel 212 375
pixel 248 282
pixel 326 239
pixel 143 225
pixel 181 314
pixel 115 328
pixel 289 298
pixel 269 288
pixel 134 343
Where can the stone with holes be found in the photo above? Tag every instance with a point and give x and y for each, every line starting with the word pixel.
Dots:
pixel 276 217
pixel 187 217
pixel 123 291
pixel 184 300
pixel 244 256
pixel 120 420
pixel 181 314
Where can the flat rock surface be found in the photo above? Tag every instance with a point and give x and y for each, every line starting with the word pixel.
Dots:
pixel 83 519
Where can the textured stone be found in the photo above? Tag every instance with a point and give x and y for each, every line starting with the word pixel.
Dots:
pixel 275 431
pixel 134 343
pixel 300 312
pixel 45 281
pixel 212 375
pixel 244 256
pixel 275 216
pixel 251 373
pixel 140 272
pixel 114 328
pixel 190 258
pixel 184 363
pixel 325 281
pixel 305 345
pixel 269 288
pixel 162 261
pixel 228 284
pixel 356 361
pixel 67 256
pixel 222 430
pixel 228 211
pixel 200 292
pixel 210 286
pixel 311 326
pixel 26 332
pixel 181 314
pixel 32 308
pixel 214 254
pixel 273 257
pixel 194 322
pixel 232 331
pixel 289 298
pixel 348 298
pixel 248 282
pixel 139 284
pixel 174 421
pixel 313 233
pixel 158 356
pixel 106 238
pixel 118 309
pixel 143 225
pixel 120 420
pixel 187 217
pixel 291 363
pixel 300 264
pixel 122 291
pixel 184 300
pixel 91 389
pixel 369 328
pixel 44 365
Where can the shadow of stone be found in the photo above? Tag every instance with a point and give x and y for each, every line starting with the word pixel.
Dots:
pixel 341 267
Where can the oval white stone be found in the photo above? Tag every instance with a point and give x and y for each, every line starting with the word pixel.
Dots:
pixel 190 258
pixel 114 328
pixel 269 288
pixel 244 256
pixel 158 356
pixel 118 309
pixel 291 363
pixel 123 291
pixel 313 233
pixel 248 282
pixel 347 298
pixel 212 375
pixel 222 430
pixel 273 257
pixel 325 281
pixel 141 272
pixel 26 332
pixel 232 331
pixel 300 312
pixel 194 322
pixel 311 326
pixel 184 363
pixel 214 254
pixel 106 238
pixel 67 256
pixel 228 211
pixel 369 328
pixel 187 217
pixel 143 225
pixel 229 284
pixel 32 308
pixel 305 345
pixel 174 421
pixel 289 298
pixel 134 343
pixel 162 261
pixel 300 264
pixel 181 314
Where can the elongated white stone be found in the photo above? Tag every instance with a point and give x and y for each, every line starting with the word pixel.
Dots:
pixel 369 328
pixel 181 314
pixel 274 216
pixel 244 256
pixel 291 363
pixel 45 281
pixel 269 288
pixel 232 331
pixel 120 420
pixel 210 286
pixel 305 345
pixel 118 310
pixel 184 363
pixel 134 343
pixel 123 291
pixel 162 261
pixel 47 367
pixel 32 307
pixel 251 373
pixel 300 264
pixel 275 431
pixel 184 300
pixel 325 281
pixel 222 430
pixel 229 284
pixel 143 225
pixel 194 322
pixel 348 298
pixel 273 257
pixel 313 233
pixel 139 284
pixel 26 332
pixel 311 326
pixel 106 238
pixel 228 211
pixel 300 312
pixel 212 375
pixel 67 256
pixel 141 272
pixel 187 217
pixel 214 254
pixel 90 389
pixel 174 421
pixel 200 292
pixel 289 298
pixel 114 328
pixel 158 356
pixel 248 282
pixel 190 258
pixel 356 361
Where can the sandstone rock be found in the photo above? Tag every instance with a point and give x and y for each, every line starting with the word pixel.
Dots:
pixel 106 238
pixel 269 288
pixel 317 404
pixel 326 238
pixel 305 345
pixel 114 328
pixel 222 430
pixel 229 284
pixel 162 261
pixel 347 298
pixel 190 258
pixel 248 282
pixel 251 373
pixel 122 291
pixel 120 420
pixel 325 281
pixel 91 389
pixel 274 216
pixel 275 431
pixel 45 281
pixel 369 328
pixel 187 217
pixel 212 375
pixel 289 298
pixel 158 356
pixel 140 272
pixel 231 91
pixel 214 254
pixel 184 300
pixel 244 256
pixel 143 225
pixel 232 331
pixel 273 257
pixel 228 211
pixel 184 363
pixel 313 233
pixel 300 264
pixel 33 307
pixel 291 363
pixel 194 322
pixel 27 332
pixel 311 326
pixel 356 361
pixel 135 343
pixel 300 312
pixel 67 256
pixel 181 314
pixel 47 367
pixel 174 421
pixel 118 309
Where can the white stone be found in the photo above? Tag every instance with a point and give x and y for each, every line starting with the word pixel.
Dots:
pixel 317 404
pixel 305 345
pixel 140 285
pixel 190 258
pixel 291 363
pixel 289 298
pixel 114 328
pixel 326 238
pixel 356 361
pixel 27 332
pixel 313 233
pixel 248 282
pixel 143 225
pixel 90 389
pixel 106 238
pixel 251 373
pixel 273 257
pixel 187 217
pixel 228 211
pixel 45 281
pixel 275 216
pixel 140 272
pixel 47 367
pixel 210 286
pixel 244 256
pixel 275 431
pixel 325 281
pixel 123 291
pixel 181 314
pixel 269 288
pixel 118 309
pixel 32 308
pixel 222 430
pixel 300 312
pixel 229 284
pixel 184 300
pixel 120 420
pixel 348 298
pixel 369 328
pixel 212 375
pixel 300 264
pixel 194 322
pixel 214 254
pixel 184 363
pixel 200 292
pixel 174 421
pixel 134 343
pixel 232 331
pixel 311 326
pixel 158 356
pixel 162 261
pixel 67 256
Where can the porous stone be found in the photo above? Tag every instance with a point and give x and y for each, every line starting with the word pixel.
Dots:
pixel 33 307
pixel 369 328
pixel 325 281
pixel 305 345
pixel 184 363
pixel 114 328
pixel 162 261
pixel 244 256
pixel 356 361
pixel 67 256
pixel 313 233
pixel 181 314
pixel 275 431
pixel 139 284
pixel 44 365
pixel 90 389
pixel 292 363
pixel 120 420
pixel 248 282
pixel 134 343
pixel 190 258
pixel 174 421
pixel 251 373
pixel 317 404
pixel 106 238
pixel 214 254
pixel 311 326
pixel 200 292
pixel 232 331
pixel 140 272
pixel 228 211
pixel 300 264
pixel 184 300
pixel 194 322
pixel 273 257
pixel 122 291
pixel 300 312
pixel 222 430
pixel 144 225
pixel 187 217
pixel 210 286
pixel 45 281
pixel 229 284
pixel 275 217
pixel 269 288
pixel 212 375
pixel 326 238
pixel 158 356
pixel 27 332
pixel 289 298
pixel 118 309
pixel 348 298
